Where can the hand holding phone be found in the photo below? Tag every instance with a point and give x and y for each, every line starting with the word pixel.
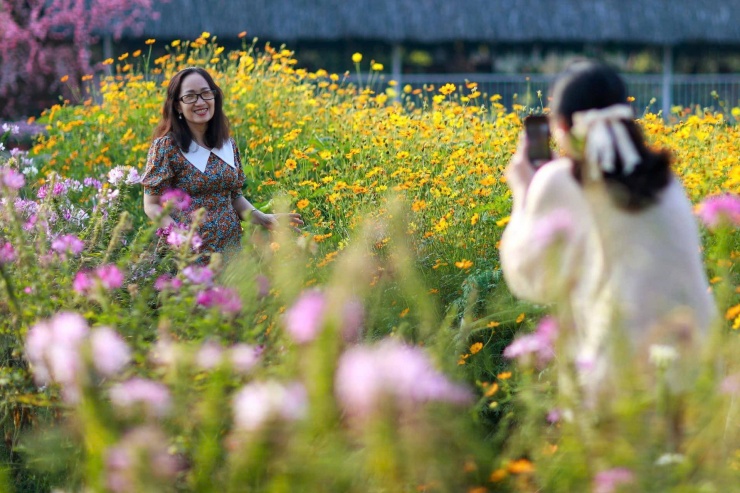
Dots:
pixel 537 129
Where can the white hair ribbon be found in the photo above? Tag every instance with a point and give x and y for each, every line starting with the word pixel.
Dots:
pixel 594 126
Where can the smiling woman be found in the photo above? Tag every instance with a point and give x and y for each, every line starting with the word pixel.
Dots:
pixel 193 152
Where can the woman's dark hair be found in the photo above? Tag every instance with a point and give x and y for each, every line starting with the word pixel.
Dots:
pixel 589 85
pixel 218 127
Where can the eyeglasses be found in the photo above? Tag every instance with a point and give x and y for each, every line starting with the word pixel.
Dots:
pixel 192 98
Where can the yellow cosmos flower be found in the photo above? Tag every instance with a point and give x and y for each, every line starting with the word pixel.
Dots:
pixel 732 312
pixel 377 66
pixel 475 348
pixel 357 57
pixel 175 43
pixel 464 264
pixel 205 35
pixel 520 318
pixel 447 89
pixel 151 41
pixel 64 78
pixel 504 375
pixel 521 466
pixel 302 204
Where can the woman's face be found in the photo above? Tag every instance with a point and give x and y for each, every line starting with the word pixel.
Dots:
pixel 199 113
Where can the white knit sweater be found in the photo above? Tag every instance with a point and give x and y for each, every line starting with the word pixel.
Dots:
pixel 613 270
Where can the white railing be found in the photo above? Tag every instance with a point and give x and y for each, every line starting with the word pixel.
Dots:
pixel 649 91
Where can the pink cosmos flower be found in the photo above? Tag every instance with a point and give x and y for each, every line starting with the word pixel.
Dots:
pixel 609 480
pixel 12 178
pixel 68 244
pixel 7 253
pixel 720 209
pixel 110 276
pixel 226 299
pixel 178 198
pixel 166 282
pixel 109 351
pixel 153 397
pixel 260 402
pixel 133 177
pixel 540 343
pixel 368 375
pixel 305 318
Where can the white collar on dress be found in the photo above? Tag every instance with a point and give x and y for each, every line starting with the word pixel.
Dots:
pixel 198 156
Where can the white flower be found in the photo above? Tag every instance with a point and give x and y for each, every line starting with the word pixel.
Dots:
pixel 668 459
pixel 662 355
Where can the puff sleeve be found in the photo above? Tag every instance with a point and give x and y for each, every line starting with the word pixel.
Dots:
pixel 159 175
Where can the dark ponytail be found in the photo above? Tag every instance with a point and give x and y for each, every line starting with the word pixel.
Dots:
pixel 587 85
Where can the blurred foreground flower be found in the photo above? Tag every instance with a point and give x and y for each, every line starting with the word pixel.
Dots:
pixel 720 209
pixel 52 347
pixel 141 456
pixel 226 299
pixel 304 319
pixel 12 178
pixel 179 199
pixel 608 481
pixel 7 253
pixel 109 350
pixel 540 343
pixel 260 402
pixel 150 396
pixel 367 375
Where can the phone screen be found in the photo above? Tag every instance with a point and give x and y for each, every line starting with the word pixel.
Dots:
pixel 538 139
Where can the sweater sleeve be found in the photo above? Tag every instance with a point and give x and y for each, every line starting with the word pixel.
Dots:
pixel 543 245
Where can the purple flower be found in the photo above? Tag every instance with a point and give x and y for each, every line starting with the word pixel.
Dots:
pixel 305 318
pixel 367 375
pixel 539 343
pixel 226 299
pixel 178 236
pixel 133 177
pixel 93 183
pixel 12 178
pixel 82 282
pixel 152 396
pixel 109 351
pixel 197 274
pixel 60 188
pixel 68 244
pixel 609 480
pixel 166 282
pixel 178 198
pixel 260 402
pixel 719 210
pixel 7 253
pixel 110 276
pixel 115 176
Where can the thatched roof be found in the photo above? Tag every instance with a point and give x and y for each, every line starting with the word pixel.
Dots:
pixel 506 21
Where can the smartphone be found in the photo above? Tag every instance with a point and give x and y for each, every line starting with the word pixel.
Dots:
pixel 537 128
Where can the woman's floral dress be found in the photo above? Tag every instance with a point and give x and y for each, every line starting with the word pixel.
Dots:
pixel 214 189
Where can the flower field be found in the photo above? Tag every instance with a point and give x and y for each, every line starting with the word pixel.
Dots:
pixel 376 350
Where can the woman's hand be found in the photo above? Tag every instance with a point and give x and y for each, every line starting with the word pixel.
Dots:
pixel 269 221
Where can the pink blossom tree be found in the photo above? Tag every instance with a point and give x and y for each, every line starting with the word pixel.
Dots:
pixel 42 41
